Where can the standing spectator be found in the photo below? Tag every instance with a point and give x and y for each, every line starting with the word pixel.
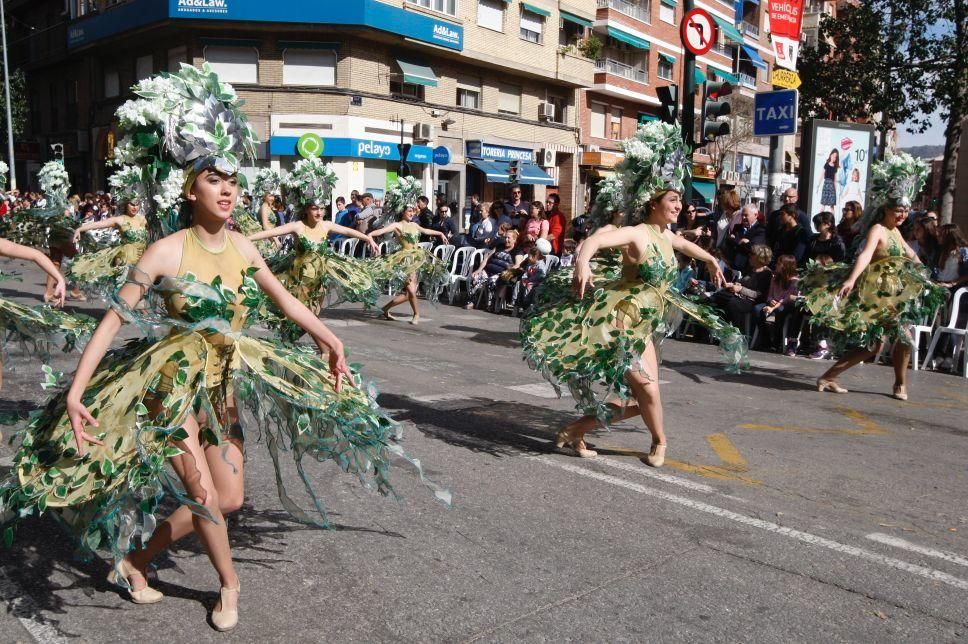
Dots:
pixel 848 227
pixel 826 241
pixel 425 216
pixel 533 228
pixel 728 205
pixel 773 222
pixel 791 238
pixel 925 242
pixel 501 216
pixel 556 223
pixel 749 232
pixel 476 208
pixel 342 217
pixel 367 217
pixel 444 223
pixel 780 303
pixel 737 299
pixel 515 207
pixel 953 258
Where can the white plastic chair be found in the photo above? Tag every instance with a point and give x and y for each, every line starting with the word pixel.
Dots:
pixel 458 261
pixel 952 327
pixel 347 246
pixel 553 261
pixel 444 252
pixel 384 247
pixel 427 246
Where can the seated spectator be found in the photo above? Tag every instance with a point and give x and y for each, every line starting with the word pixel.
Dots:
pixel 580 226
pixel 747 233
pixel 483 280
pixel 826 241
pixel 687 273
pixel 533 228
pixel 953 257
pixel 737 299
pixel 780 304
pixel 925 243
pixel 568 254
pixel 535 270
pixel 791 238
pixel 484 230
pixel 849 226
pixel 444 223
pixel 500 216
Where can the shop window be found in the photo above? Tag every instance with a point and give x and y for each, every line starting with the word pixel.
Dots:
pixel 531 26
pixel 561 105
pixel 490 14
pixel 667 12
pixel 112 83
pixel 233 64
pixel 411 91
pixel 443 6
pixel 309 67
pixel 598 120
pixel 615 124
pixel 144 67
pixel 177 56
pixel 468 93
pixel 665 68
pixel 508 98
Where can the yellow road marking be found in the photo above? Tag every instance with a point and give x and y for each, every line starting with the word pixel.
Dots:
pixel 864 426
pixel 727 452
pixel 734 463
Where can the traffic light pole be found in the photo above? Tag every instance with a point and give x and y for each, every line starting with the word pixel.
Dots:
pixel 688 111
pixel 6 90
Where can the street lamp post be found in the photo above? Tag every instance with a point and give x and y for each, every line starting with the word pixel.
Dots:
pixel 6 91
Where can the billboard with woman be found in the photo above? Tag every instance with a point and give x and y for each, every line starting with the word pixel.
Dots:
pixel 836 167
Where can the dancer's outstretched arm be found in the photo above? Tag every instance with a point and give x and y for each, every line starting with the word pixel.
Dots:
pixel 292 228
pixel 331 228
pixel 296 311
pixel 16 251
pixel 686 247
pixel 389 228
pixel 110 222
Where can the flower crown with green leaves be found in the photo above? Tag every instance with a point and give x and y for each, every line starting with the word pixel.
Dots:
pixel 608 200
pixel 655 161
pixel 897 180
pixel 180 125
pixel 54 181
pixel 267 181
pixel 4 170
pixel 401 194
pixel 310 183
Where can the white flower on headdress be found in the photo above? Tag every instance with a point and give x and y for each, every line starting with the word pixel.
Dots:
pixel 126 152
pixel 4 169
pixel 655 160
pixel 137 113
pixel 311 182
pixel 266 181
pixel 169 191
pixel 897 179
pixel 54 181
pixel 402 194
pixel 128 185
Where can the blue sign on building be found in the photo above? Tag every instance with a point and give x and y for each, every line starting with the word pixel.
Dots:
pixel 775 113
pixel 441 155
pixel 355 149
pixel 481 150
pixel 349 13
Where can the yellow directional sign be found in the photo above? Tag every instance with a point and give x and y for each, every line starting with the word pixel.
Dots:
pixel 785 78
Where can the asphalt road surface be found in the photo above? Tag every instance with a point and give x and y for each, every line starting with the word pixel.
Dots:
pixel 782 514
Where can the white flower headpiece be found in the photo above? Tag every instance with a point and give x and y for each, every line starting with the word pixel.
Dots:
pixel 897 180
pixel 54 181
pixel 655 160
pixel 310 182
pixel 401 194
pixel 267 181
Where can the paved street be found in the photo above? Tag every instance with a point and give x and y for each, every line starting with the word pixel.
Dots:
pixel 783 514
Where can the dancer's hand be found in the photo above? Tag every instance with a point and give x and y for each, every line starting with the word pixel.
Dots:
pixel 60 292
pixel 845 289
pixel 339 368
pixel 716 273
pixel 80 416
pixel 77 236
pixel 582 279
pixel 374 248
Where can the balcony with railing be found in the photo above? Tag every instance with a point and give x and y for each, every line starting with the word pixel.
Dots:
pixel 622 70
pixel 750 29
pixel 639 10
pixel 747 80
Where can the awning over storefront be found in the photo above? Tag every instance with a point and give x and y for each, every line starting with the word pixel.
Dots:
pixel 699 76
pixel 536 9
pixel 578 20
pixel 706 189
pixel 726 76
pixel 669 58
pixel 755 57
pixel 497 172
pixel 731 32
pixel 628 39
pixel 417 73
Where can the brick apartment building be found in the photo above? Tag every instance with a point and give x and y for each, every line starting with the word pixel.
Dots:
pixel 471 85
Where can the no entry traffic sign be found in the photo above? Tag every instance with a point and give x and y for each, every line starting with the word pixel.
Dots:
pixel 698 31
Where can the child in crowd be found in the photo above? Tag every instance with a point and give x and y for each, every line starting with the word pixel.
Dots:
pixel 687 273
pixel 823 348
pixel 535 270
pixel 781 305
pixel 568 253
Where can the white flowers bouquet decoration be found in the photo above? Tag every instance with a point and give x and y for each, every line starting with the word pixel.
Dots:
pixel 310 182
pixel 4 170
pixel 402 194
pixel 267 181
pixel 54 181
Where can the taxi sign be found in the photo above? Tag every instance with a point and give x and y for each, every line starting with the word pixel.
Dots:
pixel 785 78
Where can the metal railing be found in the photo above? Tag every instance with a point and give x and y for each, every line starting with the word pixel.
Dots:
pixel 610 66
pixel 638 10
pixel 747 81
pixel 751 30
pixel 721 48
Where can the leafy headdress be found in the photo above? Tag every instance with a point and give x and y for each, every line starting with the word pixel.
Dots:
pixel 128 186
pixel 608 201
pixel 54 182
pixel 310 183
pixel 655 161
pixel 402 194
pixel 180 125
pixel 267 181
pixel 895 181
pixel 4 170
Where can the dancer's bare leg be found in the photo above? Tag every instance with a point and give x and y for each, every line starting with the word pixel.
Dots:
pixel 645 388
pixel 902 354
pixel 412 297
pixel 852 358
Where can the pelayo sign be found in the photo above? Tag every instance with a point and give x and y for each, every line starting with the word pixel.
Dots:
pixel 352 148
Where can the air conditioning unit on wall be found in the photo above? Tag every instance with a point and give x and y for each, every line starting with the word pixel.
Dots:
pixel 547 158
pixel 546 111
pixel 423 131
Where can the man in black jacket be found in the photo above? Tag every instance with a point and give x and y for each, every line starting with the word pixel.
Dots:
pixel 791 238
pixel 747 233
pixel 773 225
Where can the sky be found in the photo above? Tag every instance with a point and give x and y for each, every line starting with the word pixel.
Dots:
pixel 934 135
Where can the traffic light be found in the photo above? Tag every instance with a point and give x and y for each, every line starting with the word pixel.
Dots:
pixel 57 152
pixel 404 168
pixel 713 108
pixel 514 171
pixel 669 97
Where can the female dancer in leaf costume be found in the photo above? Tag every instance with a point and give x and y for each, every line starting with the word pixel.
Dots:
pixel 102 272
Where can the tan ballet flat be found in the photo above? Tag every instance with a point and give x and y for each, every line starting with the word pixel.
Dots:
pixel 900 392
pixel 577 445
pixel 656 455
pixel 120 575
pixel 824 385
pixel 226 620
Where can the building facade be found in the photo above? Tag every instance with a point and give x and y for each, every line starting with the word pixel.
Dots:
pixel 469 85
